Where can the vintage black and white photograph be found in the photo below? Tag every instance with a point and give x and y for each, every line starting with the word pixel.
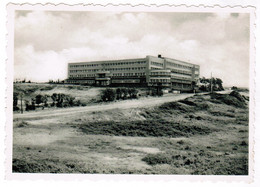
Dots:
pixel 131 92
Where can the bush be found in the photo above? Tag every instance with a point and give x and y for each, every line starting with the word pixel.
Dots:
pixel 15 101
pixel 152 127
pixel 22 124
pixel 234 98
pixel 176 106
pixel 16 108
pixel 153 159
pixel 38 99
pixel 133 92
pixel 237 95
pixel 108 95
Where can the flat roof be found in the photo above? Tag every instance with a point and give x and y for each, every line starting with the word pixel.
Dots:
pixel 132 59
pixel 181 61
pixel 100 61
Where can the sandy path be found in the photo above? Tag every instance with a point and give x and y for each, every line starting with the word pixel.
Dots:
pixel 143 102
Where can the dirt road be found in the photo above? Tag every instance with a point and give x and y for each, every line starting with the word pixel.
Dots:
pixel 137 103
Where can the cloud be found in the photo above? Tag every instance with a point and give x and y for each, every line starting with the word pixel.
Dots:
pixel 38 66
pixel 46 41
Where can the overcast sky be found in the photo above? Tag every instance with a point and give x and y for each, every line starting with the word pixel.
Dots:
pixel 46 41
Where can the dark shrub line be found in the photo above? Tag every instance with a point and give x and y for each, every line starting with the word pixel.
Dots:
pixel 110 94
pixel 151 127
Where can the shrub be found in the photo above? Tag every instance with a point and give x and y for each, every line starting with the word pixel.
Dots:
pixel 234 98
pixel 124 93
pixel 187 102
pixel 152 127
pixel 15 101
pixel 118 93
pixel 132 92
pixel 22 124
pixel 153 159
pixel 180 142
pixel 108 94
pixel 243 143
pixel 237 95
pixel 38 99
pixel 176 106
pixel 69 100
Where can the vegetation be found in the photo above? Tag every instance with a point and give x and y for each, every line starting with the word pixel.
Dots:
pixel 59 100
pixel 239 89
pixel 205 84
pixel 234 99
pixel 15 101
pixel 110 94
pixel 200 135
pixel 199 162
pixel 150 127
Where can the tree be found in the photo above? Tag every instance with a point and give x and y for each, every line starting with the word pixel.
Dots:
pixel 124 93
pixel 108 94
pixel 205 84
pixel 33 104
pixel 219 83
pixel 45 100
pixel 133 93
pixel 54 99
pixel 69 100
pixel 15 101
pixel 60 99
pixel 38 99
pixel 118 93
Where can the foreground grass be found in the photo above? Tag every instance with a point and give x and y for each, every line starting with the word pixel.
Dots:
pixel 199 135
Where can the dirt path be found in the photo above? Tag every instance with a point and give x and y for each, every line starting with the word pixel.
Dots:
pixel 143 102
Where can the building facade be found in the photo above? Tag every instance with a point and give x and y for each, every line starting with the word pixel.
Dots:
pixel 148 71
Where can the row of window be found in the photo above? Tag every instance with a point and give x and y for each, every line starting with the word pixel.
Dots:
pixel 82 81
pixel 160 80
pixel 181 81
pixel 181 78
pixel 109 69
pixel 124 63
pixel 85 65
pixel 106 64
pixel 83 75
pixel 178 65
pixel 157 64
pixel 153 68
pixel 180 85
pixel 128 74
pixel 181 72
pixel 126 81
pixel 136 74
pixel 160 73
pixel 114 74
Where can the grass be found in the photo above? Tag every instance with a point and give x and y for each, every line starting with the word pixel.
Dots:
pixel 201 162
pixel 22 124
pixel 192 136
pixel 151 127
pixel 234 99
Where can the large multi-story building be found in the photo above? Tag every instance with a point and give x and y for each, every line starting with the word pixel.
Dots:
pixel 148 71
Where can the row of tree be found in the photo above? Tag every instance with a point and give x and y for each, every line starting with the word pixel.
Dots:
pixel 57 81
pixel 22 81
pixel 206 84
pixel 58 100
pixel 110 94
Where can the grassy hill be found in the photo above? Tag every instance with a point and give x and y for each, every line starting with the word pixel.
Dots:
pixel 85 94
pixel 199 135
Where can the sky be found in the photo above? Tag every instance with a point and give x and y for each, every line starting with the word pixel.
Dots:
pixel 46 41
